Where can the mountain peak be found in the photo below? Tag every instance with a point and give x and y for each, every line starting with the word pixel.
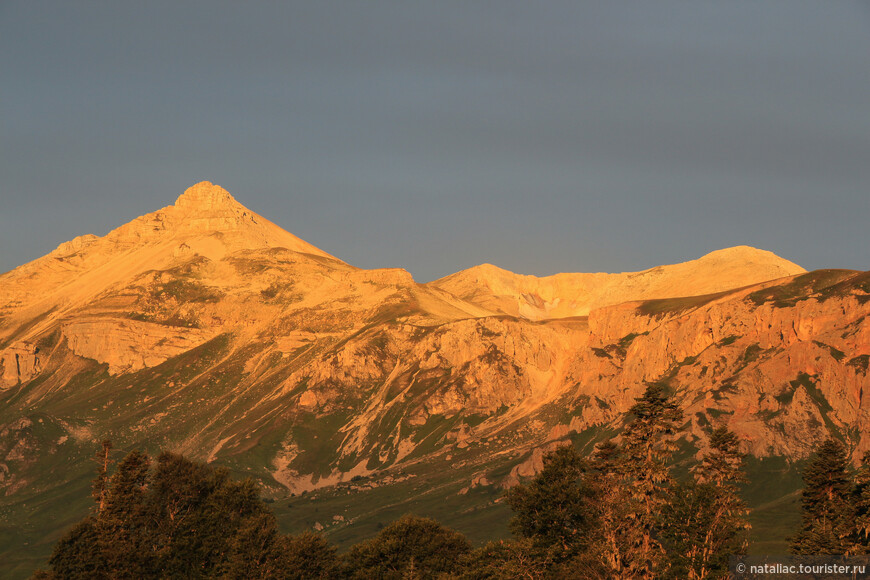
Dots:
pixel 206 219
pixel 205 195
pixel 747 256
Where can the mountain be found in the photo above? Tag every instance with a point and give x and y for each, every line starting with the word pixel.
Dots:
pixel 355 395
pixel 565 295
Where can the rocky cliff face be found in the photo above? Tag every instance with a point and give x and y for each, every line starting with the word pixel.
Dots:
pixel 129 345
pixel 20 363
pixel 782 373
pixel 206 329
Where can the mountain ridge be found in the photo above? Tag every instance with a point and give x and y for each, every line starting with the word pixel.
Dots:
pixel 576 294
pixel 372 392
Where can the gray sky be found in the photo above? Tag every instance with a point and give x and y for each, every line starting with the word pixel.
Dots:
pixel 542 137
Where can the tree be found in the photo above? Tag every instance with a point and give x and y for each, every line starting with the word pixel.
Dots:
pixel 306 557
pixel 603 517
pixel 182 520
pixel 102 459
pixel 123 537
pixel 861 501
pixel 617 536
pixel 198 513
pixel 705 521
pixel 827 511
pixel 647 447
pixel 722 465
pixel 409 547
pixel 508 560
pixel 555 508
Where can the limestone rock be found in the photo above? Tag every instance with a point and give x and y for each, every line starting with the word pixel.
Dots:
pixel 130 345
pixel 20 364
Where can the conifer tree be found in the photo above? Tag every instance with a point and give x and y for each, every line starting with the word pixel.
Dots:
pixel 705 521
pixel 617 534
pixel 722 464
pixel 861 501
pixel 827 511
pixel 647 447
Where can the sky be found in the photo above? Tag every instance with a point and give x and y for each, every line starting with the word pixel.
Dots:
pixel 543 137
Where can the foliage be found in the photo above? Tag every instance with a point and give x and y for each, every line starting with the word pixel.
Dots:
pixel 409 547
pixel 723 468
pixel 861 500
pixel 705 521
pixel 827 509
pixel 181 520
pixel 619 513
pixel 507 559
pixel 555 508
pixel 603 517
pixel 647 447
pixel 306 557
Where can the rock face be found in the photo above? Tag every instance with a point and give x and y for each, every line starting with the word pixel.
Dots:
pixel 20 364
pixel 208 330
pixel 781 373
pixel 130 345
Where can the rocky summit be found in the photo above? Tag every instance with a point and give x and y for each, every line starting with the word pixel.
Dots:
pixel 353 395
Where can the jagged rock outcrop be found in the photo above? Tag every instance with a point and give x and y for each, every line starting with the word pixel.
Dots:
pixel 20 363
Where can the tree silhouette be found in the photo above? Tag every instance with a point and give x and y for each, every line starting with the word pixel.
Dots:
pixel 182 520
pixel 827 512
pixel 407 548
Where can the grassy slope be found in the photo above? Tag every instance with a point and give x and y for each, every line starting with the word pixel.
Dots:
pixel 479 513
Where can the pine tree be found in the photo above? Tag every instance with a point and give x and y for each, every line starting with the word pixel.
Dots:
pixel 722 465
pixel 704 523
pixel 647 447
pixel 827 511
pixel 617 536
pixel 861 500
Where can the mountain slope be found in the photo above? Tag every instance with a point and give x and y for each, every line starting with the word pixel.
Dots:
pixel 205 221
pixel 219 336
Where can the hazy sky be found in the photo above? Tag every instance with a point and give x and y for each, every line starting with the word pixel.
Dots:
pixel 538 136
